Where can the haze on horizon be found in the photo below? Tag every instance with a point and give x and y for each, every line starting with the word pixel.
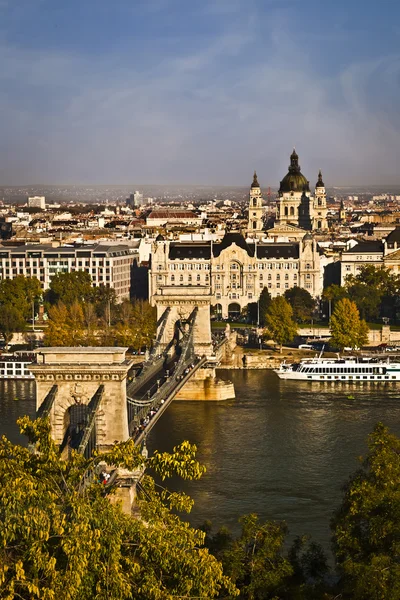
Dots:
pixel 165 91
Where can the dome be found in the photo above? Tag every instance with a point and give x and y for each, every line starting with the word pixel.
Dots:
pixel 308 238
pixel 255 183
pixel 319 183
pixel 294 181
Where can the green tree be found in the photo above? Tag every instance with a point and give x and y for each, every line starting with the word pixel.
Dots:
pixel 21 292
pixel 263 305
pixel 69 288
pixel 61 537
pixel 367 525
pixel 332 294
pixel 11 321
pixel 279 321
pixel 375 290
pixel 347 329
pixel 254 561
pixel 302 303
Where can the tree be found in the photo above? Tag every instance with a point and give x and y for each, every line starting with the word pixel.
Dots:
pixel 367 525
pixel 302 303
pixel 11 321
pixel 375 290
pixel 69 288
pixel 61 537
pixel 58 331
pixel 347 329
pixel 332 294
pixel 21 292
pixel 137 326
pixel 279 321
pixel 263 305
pixel 254 561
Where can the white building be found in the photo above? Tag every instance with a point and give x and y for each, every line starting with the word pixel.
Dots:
pixel 107 264
pixel 37 202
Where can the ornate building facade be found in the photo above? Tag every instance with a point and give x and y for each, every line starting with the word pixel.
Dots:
pixel 235 271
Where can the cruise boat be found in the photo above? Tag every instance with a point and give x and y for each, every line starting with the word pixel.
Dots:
pixel 16 366
pixel 357 370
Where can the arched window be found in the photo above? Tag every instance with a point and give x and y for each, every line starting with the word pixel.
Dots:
pixel 286 211
pixel 278 277
pixel 254 224
pixel 292 211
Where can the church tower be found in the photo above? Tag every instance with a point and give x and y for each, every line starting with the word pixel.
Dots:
pixel 342 212
pixel 255 224
pixel 291 190
pixel 320 210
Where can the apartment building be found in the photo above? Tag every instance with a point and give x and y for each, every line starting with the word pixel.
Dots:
pixel 108 265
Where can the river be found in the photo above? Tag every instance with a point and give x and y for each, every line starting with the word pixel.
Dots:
pixel 280 449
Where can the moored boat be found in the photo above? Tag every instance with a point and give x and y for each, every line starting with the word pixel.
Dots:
pixel 16 366
pixel 357 370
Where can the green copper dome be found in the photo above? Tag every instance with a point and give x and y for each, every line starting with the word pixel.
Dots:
pixel 294 181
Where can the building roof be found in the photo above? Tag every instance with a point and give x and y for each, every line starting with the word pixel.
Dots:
pixel 294 181
pixel 394 236
pixel 233 238
pixel 319 183
pixel 255 183
pixel 278 250
pixel 194 250
pixel 366 248
pixel 172 214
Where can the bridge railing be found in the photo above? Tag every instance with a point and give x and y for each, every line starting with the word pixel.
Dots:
pixel 139 409
pixel 47 404
pixel 85 447
pixel 164 399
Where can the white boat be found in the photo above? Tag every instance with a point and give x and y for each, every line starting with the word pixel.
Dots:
pixel 16 366
pixel 356 370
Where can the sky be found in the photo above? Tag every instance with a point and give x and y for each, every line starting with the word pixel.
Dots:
pixel 199 92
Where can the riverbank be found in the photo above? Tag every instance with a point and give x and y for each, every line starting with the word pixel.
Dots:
pixel 253 358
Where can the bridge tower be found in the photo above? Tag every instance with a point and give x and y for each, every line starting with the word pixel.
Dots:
pixel 83 383
pixel 181 300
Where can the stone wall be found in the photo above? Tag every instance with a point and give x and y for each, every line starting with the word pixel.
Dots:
pixel 204 385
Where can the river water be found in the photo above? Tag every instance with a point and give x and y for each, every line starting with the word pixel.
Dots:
pixel 280 449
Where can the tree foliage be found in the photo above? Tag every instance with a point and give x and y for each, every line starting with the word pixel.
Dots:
pixel 69 288
pixel 347 329
pixel 263 305
pixel 375 290
pixel 20 292
pixel 302 303
pixel 279 321
pixel 367 525
pixel 62 539
pixel 11 321
pixel 78 325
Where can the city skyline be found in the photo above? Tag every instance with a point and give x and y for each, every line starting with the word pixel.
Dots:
pixel 164 93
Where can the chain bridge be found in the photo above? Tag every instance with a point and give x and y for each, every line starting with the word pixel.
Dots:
pixel 95 396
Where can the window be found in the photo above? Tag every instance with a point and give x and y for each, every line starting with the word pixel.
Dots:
pixel 172 277
pixel 286 277
pixel 181 278
pixel 197 277
pixel 278 277
pixel 189 278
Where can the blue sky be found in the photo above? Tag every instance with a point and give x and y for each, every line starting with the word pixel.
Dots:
pixel 202 92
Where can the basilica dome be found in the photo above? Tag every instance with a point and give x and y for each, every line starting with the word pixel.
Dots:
pixel 294 181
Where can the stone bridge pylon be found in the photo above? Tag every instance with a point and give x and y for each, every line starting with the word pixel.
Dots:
pixel 181 300
pixel 73 377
